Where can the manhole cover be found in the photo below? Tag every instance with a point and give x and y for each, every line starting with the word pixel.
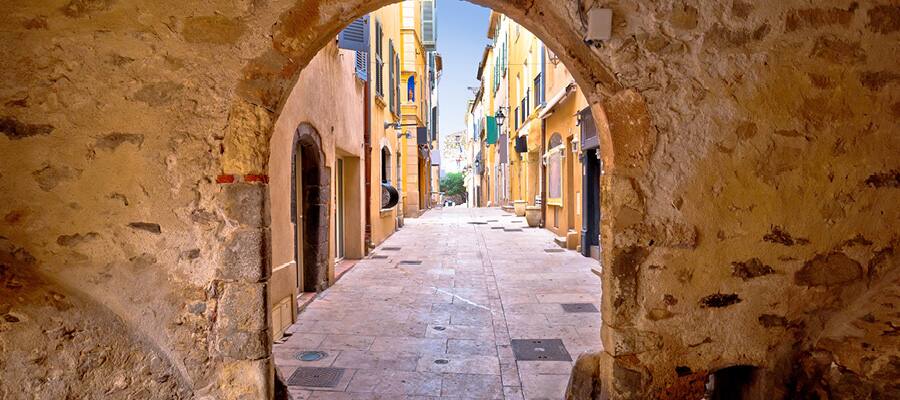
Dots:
pixel 410 262
pixel 311 355
pixel 390 248
pixel 316 377
pixel 553 250
pixel 439 328
pixel 378 257
pixel 540 350
pixel 512 230
pixel 442 361
pixel 580 308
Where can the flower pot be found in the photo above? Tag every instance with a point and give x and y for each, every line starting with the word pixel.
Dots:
pixel 519 207
pixel 533 216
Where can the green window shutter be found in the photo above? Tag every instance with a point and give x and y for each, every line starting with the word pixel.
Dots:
pixel 391 83
pixel 492 132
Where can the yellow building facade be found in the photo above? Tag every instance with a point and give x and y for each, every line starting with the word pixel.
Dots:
pixel 535 160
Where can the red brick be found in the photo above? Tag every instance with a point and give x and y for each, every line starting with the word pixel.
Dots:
pixel 225 178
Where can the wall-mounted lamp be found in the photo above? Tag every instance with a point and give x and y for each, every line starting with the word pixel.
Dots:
pixel 403 134
pixel 392 125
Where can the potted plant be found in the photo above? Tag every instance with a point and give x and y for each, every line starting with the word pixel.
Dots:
pixel 533 216
pixel 519 207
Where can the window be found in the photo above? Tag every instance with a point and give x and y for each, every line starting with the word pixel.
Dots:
pixel 379 62
pixel 385 165
pixel 517 117
pixel 554 169
pixel 411 89
pixel 539 90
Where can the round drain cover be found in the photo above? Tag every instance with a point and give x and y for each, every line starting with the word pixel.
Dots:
pixel 442 361
pixel 438 328
pixel 311 355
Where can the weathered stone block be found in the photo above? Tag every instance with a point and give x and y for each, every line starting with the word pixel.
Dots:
pixel 242 307
pixel 247 255
pixel 247 204
pixel 244 345
pixel 240 380
pixel 585 383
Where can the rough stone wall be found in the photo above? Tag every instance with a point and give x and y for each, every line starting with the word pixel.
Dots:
pixel 750 185
pixel 132 166
pixel 754 195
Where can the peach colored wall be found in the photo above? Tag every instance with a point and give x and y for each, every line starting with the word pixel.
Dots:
pixel 328 96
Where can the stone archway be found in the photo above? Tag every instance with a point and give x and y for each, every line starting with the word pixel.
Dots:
pixel 749 155
pixel 312 249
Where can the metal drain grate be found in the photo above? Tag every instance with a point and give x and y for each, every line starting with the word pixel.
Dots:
pixel 378 257
pixel 316 377
pixel 492 220
pixel 478 223
pixel 496 227
pixel 512 229
pixel 391 248
pixel 553 250
pixel 410 262
pixel 540 350
pixel 579 308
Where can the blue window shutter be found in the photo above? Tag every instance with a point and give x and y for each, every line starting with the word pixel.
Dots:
pixel 362 65
pixel 355 36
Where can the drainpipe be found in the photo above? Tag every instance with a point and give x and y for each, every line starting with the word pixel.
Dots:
pixel 367 154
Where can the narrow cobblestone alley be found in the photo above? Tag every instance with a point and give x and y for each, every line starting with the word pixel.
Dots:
pixel 437 309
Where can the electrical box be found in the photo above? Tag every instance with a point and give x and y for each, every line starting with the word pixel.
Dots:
pixel 599 27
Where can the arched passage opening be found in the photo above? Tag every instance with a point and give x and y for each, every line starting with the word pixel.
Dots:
pixel 311 211
pixel 142 149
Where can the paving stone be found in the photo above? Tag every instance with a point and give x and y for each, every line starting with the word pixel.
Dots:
pixel 472 386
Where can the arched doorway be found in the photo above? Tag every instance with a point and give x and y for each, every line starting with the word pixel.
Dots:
pixel 310 210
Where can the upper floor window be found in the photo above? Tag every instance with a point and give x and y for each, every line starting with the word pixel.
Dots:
pixel 379 61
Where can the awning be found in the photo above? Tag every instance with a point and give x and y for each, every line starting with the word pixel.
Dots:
pixel 492 133
pixel 556 99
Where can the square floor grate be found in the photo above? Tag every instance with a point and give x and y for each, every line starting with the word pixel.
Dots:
pixel 391 248
pixel 316 377
pixel 540 350
pixel 378 257
pixel 553 250
pixel 410 262
pixel 579 308
pixel 512 229
pixel 478 223
pixel 496 227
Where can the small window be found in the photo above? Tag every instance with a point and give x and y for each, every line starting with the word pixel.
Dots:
pixel 554 169
pixel 385 165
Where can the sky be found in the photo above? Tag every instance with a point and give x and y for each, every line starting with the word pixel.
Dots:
pixel 462 35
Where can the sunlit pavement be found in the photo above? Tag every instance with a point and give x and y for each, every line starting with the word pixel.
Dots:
pixel 392 329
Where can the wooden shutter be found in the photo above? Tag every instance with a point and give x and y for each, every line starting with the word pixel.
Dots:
pixel 391 83
pixel 398 84
pixel 355 36
pixel 379 61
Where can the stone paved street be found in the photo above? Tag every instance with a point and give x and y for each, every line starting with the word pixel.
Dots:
pixel 443 328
